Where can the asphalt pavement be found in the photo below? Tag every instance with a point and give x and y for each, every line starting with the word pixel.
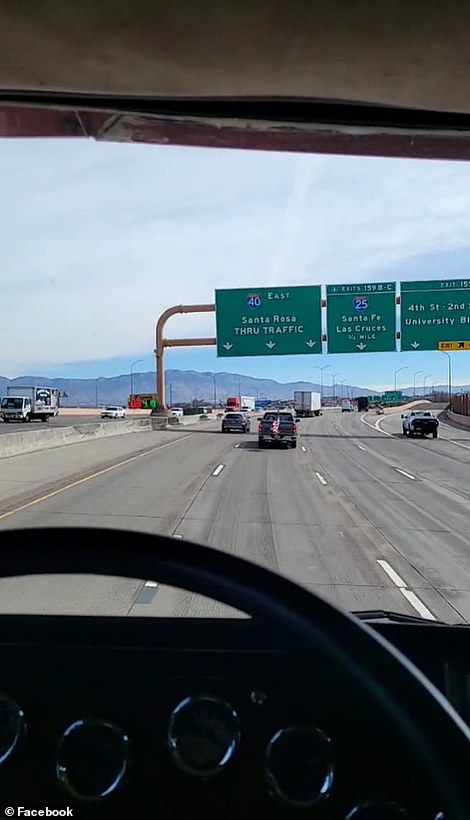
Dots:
pixel 357 513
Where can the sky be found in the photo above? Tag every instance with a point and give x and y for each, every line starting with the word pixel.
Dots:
pixel 99 238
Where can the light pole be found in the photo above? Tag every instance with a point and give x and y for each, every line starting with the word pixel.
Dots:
pixel 334 385
pixel 449 379
pixel 321 369
pixel 429 376
pixel 137 361
pixel 215 392
pixel 418 373
pixel 396 374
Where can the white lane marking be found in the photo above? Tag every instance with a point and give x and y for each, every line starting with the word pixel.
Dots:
pixel 450 440
pixel 152 584
pixel 362 448
pixel 341 533
pixel 304 449
pixel 177 536
pixel 417 604
pixel 410 596
pixel 237 445
pixel 218 469
pixel 394 576
pixel 457 443
pixel 376 426
pixel 321 479
pixel 403 472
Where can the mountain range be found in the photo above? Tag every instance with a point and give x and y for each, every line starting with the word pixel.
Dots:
pixel 182 386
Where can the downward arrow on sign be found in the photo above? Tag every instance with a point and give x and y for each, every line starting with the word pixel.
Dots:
pixel 270 345
pixel 414 345
pixel 361 346
pixel 228 346
pixel 310 343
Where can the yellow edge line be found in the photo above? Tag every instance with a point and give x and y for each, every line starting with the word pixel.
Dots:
pixel 99 473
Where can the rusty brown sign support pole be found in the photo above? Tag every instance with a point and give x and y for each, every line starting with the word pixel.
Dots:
pixel 161 343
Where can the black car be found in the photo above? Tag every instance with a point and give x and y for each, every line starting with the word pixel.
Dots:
pixel 235 423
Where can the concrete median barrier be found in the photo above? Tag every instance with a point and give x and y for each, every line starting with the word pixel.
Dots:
pixel 402 408
pixel 457 420
pixel 13 444
pixel 172 422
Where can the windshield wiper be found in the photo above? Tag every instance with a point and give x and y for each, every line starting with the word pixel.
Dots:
pixel 396 617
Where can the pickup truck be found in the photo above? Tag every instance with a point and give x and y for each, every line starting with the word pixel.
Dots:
pixel 277 428
pixel 419 423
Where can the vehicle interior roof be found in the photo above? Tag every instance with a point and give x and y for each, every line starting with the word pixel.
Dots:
pixel 408 56
pixel 389 53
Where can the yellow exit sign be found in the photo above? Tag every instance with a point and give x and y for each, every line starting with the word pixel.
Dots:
pixel 454 345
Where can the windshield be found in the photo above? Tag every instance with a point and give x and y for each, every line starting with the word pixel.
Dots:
pixel 276 416
pixel 322 278
pixel 12 403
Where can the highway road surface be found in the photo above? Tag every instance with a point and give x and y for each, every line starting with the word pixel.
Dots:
pixel 357 513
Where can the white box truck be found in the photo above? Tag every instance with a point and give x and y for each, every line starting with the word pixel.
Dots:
pixel 306 403
pixel 247 403
pixel 29 403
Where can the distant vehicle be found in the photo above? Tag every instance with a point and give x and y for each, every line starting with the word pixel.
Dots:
pixel 306 403
pixel 278 428
pixel 362 404
pixel 176 412
pixel 30 404
pixel 235 423
pixel 113 411
pixel 346 407
pixel 247 403
pixel 233 403
pixel 419 423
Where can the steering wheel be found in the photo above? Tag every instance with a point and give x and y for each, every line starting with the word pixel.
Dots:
pixel 398 692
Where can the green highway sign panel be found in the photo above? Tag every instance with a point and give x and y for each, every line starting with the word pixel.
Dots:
pixel 433 312
pixel 281 321
pixel 388 396
pixel 361 318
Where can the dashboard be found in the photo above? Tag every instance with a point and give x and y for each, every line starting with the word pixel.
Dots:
pixel 163 718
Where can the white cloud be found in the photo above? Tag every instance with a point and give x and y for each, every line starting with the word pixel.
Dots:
pixel 97 239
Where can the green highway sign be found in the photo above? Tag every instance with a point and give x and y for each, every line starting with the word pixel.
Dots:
pixel 361 318
pixel 388 396
pixel 434 312
pixel 268 321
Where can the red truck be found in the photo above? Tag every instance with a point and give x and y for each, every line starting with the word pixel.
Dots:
pixel 233 403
